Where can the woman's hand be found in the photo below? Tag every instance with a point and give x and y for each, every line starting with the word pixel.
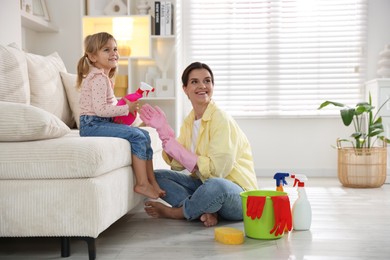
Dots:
pixel 155 117
pixel 133 106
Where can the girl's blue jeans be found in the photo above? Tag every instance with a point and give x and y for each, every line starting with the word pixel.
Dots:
pixel 215 195
pixel 104 126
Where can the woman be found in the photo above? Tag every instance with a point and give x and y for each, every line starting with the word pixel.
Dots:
pixel 211 148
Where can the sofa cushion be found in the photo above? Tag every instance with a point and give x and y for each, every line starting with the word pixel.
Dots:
pixel 73 94
pixel 21 122
pixel 47 90
pixel 14 84
pixel 67 157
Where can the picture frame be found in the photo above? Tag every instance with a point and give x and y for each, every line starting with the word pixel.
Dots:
pixel 39 8
pixel 26 6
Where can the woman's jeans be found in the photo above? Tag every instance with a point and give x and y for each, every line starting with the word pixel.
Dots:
pixel 215 195
pixel 104 126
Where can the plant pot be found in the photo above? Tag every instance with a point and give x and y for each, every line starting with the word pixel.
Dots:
pixel 363 167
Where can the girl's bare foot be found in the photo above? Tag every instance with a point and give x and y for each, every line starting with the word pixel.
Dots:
pixel 209 219
pixel 146 190
pixel 160 191
pixel 159 210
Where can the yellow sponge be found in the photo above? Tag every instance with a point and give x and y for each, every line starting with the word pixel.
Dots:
pixel 229 236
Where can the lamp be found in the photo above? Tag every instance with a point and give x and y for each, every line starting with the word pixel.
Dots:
pixel 132 33
pixel 122 28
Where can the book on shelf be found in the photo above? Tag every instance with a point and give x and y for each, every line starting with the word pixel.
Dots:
pixel 163 18
pixel 168 18
pixel 157 17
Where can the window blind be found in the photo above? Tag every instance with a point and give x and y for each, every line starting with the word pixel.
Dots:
pixel 279 57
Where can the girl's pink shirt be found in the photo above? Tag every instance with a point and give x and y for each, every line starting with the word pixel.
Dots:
pixel 97 96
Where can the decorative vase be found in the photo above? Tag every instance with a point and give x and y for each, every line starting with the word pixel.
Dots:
pixel 143 7
pixel 165 86
pixel 115 7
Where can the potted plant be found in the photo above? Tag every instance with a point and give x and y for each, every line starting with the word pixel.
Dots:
pixel 363 164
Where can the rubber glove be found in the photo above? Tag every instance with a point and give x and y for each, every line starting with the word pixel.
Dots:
pixel 255 206
pixel 180 154
pixel 282 212
pixel 155 117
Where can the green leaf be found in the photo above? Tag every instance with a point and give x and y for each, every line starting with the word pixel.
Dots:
pixel 356 135
pixel 375 132
pixel 384 139
pixel 363 107
pixel 326 103
pixel 347 115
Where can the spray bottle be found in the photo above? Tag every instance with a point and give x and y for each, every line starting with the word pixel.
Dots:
pixel 280 180
pixel 129 119
pixel 301 210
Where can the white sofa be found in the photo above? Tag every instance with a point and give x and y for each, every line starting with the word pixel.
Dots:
pixel 54 183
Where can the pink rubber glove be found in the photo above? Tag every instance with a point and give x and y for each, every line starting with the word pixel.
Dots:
pixel 180 154
pixel 155 117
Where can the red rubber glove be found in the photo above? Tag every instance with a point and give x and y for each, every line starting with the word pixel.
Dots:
pixel 282 213
pixel 179 153
pixel 255 206
pixel 155 117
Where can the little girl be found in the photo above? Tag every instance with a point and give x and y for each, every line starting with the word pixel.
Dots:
pixel 95 71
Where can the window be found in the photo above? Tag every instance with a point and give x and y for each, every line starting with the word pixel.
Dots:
pixel 278 57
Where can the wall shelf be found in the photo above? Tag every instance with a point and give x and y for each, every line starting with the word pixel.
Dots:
pixel 36 23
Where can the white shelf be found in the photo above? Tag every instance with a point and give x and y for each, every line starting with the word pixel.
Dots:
pixel 380 91
pixel 163 37
pixel 159 98
pixel 162 50
pixel 36 23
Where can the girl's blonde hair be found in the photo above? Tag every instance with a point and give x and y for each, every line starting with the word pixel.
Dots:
pixel 92 44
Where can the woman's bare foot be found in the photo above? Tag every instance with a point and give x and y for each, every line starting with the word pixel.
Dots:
pixel 159 210
pixel 209 219
pixel 146 190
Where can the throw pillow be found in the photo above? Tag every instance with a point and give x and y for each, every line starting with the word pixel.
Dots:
pixel 47 91
pixel 14 84
pixel 22 122
pixel 73 94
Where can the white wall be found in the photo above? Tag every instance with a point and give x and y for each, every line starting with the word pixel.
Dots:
pixel 10 22
pixel 378 33
pixel 66 15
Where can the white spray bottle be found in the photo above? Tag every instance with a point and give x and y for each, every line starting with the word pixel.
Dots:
pixel 301 210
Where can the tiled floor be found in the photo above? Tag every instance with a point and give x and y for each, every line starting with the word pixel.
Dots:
pixel 347 224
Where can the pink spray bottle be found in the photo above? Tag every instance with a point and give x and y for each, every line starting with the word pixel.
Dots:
pixel 129 119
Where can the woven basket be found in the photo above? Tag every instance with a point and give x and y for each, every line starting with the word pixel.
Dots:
pixel 362 168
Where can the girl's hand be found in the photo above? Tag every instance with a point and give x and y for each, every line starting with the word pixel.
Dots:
pixel 133 106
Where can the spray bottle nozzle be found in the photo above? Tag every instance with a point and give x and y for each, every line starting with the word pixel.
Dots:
pixel 299 179
pixel 280 178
